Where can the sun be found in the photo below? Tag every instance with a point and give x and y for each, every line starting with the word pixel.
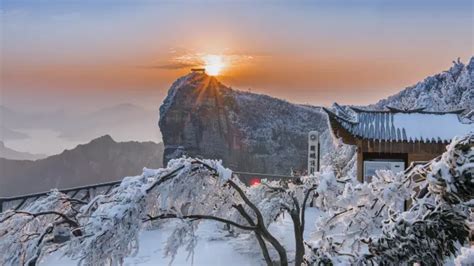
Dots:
pixel 213 64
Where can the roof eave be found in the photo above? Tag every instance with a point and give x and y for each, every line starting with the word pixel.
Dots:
pixel 331 113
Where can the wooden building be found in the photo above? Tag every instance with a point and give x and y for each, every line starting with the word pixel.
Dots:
pixel 393 138
pixel 198 70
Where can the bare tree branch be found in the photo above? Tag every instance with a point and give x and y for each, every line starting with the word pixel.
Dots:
pixel 164 178
pixel 197 217
pixel 261 241
pixel 62 215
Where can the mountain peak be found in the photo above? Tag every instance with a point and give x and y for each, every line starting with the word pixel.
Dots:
pixel 195 79
pixel 191 84
pixel 203 117
pixel 103 139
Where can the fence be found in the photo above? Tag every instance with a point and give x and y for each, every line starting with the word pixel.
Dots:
pixel 86 193
pixel 83 193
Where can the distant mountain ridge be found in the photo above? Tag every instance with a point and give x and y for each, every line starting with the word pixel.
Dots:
pixel 446 91
pixel 8 134
pixel 122 121
pixel 12 154
pixel 101 160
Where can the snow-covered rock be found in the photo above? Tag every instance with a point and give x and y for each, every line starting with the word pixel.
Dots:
pixel 258 133
pixel 249 132
pixel 446 91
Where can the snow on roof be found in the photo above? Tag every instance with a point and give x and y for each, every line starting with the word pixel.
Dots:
pixel 400 125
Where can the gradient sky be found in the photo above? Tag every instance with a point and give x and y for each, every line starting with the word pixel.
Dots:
pixel 91 54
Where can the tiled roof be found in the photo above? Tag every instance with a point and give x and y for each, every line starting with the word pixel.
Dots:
pixel 400 125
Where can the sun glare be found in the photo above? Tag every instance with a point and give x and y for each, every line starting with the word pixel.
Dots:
pixel 213 64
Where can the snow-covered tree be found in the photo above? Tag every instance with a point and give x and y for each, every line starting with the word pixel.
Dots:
pixel 42 227
pixel 354 213
pixel 360 223
pixel 437 224
pixel 216 194
pixel 367 222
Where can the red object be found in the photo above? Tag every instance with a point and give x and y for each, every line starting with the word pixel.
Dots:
pixel 254 181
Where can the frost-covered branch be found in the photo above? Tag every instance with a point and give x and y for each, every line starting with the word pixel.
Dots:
pixel 366 219
pixel 28 234
pixel 428 240
pixel 199 217
pixel 216 185
pixel 357 222
pixel 434 227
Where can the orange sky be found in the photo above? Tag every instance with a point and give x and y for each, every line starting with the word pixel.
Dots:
pixel 315 53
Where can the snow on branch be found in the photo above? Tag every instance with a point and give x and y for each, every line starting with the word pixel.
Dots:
pixel 438 223
pixel 40 228
pixel 367 221
pixel 452 176
pixel 431 239
pixel 357 222
pixel 111 224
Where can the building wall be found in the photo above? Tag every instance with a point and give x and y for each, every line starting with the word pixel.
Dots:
pixel 415 151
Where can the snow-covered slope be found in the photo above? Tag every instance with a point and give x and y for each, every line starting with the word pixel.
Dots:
pixel 215 246
pixel 449 90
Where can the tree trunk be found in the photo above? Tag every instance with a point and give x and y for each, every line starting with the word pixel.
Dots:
pixel 258 235
pixel 299 248
pixel 276 244
pixel 261 225
pixel 264 249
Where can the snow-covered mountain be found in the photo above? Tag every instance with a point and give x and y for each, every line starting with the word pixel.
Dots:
pixel 258 133
pixel 449 90
pixel 249 132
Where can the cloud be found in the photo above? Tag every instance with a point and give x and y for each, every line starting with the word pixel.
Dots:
pixel 171 66
pixel 182 58
pixel 8 134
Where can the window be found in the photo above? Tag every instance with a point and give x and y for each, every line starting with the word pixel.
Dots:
pixel 371 166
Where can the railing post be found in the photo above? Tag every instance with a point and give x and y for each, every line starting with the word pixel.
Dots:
pixel 92 193
pixel 91 190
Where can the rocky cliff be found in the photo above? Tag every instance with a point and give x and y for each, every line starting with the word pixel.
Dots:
pixel 249 132
pixel 257 133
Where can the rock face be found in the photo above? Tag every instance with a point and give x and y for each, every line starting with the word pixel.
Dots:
pixel 451 89
pixel 101 160
pixel 257 133
pixel 249 132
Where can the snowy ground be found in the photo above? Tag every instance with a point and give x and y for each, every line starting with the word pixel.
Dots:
pixel 214 247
